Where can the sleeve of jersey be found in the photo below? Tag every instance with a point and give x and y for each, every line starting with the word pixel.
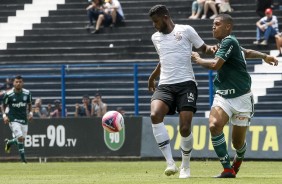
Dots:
pixel 154 42
pixel 5 99
pixel 225 49
pixel 194 38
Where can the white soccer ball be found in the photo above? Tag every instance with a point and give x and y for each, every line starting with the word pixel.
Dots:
pixel 112 121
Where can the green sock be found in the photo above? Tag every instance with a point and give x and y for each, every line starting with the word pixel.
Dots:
pixel 220 148
pixel 21 151
pixel 12 141
pixel 241 152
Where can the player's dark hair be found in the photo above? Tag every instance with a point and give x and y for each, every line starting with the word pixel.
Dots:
pixel 226 18
pixel 18 77
pixel 159 10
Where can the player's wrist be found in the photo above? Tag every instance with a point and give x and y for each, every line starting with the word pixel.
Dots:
pixel 31 114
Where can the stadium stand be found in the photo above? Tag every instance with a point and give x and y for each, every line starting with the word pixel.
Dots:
pixel 61 38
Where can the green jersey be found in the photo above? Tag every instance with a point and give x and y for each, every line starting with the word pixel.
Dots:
pixel 232 79
pixel 17 104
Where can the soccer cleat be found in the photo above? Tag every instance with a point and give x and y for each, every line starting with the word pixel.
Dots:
pixel 7 146
pixel 227 173
pixel 236 164
pixel 184 172
pixel 171 169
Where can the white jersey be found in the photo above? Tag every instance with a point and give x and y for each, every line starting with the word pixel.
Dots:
pixel 174 50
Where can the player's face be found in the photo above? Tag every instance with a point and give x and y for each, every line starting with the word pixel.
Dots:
pixel 159 23
pixel 220 29
pixel 18 84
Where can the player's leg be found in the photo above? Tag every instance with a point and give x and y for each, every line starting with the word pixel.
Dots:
pixel 186 142
pixel 186 105
pixel 21 139
pixel 158 110
pixel 240 145
pixel 8 143
pixel 217 120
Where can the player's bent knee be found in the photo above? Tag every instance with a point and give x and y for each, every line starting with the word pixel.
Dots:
pixel 156 117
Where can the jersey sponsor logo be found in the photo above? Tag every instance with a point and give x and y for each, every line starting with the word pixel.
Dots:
pixel 18 105
pixel 225 92
pixel 178 36
pixel 190 97
pixel 229 50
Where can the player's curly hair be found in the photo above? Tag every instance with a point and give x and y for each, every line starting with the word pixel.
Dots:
pixel 159 10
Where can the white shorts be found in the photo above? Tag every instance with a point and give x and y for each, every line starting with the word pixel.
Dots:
pixel 19 130
pixel 240 109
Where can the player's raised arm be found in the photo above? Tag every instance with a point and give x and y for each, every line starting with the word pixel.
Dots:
pixel 249 53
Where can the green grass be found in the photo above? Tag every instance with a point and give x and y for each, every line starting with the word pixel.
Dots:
pixel 135 172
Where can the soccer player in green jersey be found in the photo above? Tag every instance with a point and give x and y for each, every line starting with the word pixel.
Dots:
pixel 233 100
pixel 17 105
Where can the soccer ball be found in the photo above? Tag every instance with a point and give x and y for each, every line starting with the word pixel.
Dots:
pixel 112 121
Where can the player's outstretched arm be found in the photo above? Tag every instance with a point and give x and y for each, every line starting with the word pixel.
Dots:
pixel 256 54
pixel 212 64
pixel 153 76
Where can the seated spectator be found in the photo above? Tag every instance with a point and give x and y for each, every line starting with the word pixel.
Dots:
pixel 214 6
pixel 83 110
pixel 278 40
pixel 57 112
pixel 39 111
pixel 266 27
pixel 197 9
pixel 99 108
pixel 262 5
pixel 112 15
pixel 93 11
pixel 225 7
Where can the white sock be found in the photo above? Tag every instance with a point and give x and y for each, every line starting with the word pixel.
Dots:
pixel 186 144
pixel 163 141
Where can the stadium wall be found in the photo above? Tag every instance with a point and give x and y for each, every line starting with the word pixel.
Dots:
pixel 85 138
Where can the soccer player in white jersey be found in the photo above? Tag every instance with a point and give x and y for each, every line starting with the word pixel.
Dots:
pixel 177 88
pixel 233 100
pixel 17 102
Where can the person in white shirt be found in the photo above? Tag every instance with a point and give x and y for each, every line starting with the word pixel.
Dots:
pixel 177 88
pixel 267 27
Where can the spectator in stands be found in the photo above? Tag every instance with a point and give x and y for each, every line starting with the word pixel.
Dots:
pixel 39 111
pixel 112 15
pixel 197 9
pixel 262 5
pixel 83 110
pixel 278 40
pixel 7 85
pixel 57 113
pixel 93 11
pixel 216 6
pixel 99 108
pixel 266 27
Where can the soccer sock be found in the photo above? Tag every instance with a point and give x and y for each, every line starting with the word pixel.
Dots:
pixel 186 144
pixel 241 152
pixel 162 139
pixel 220 148
pixel 21 151
pixel 12 142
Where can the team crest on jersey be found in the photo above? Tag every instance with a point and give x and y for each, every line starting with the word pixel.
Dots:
pixel 178 36
pixel 14 99
pixel 24 98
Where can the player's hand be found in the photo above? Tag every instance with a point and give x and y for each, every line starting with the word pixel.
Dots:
pixel 195 56
pixel 151 84
pixel 30 116
pixel 271 60
pixel 6 120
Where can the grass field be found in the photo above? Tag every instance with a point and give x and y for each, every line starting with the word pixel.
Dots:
pixel 133 172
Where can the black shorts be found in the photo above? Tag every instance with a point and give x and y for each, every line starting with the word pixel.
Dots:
pixel 179 97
